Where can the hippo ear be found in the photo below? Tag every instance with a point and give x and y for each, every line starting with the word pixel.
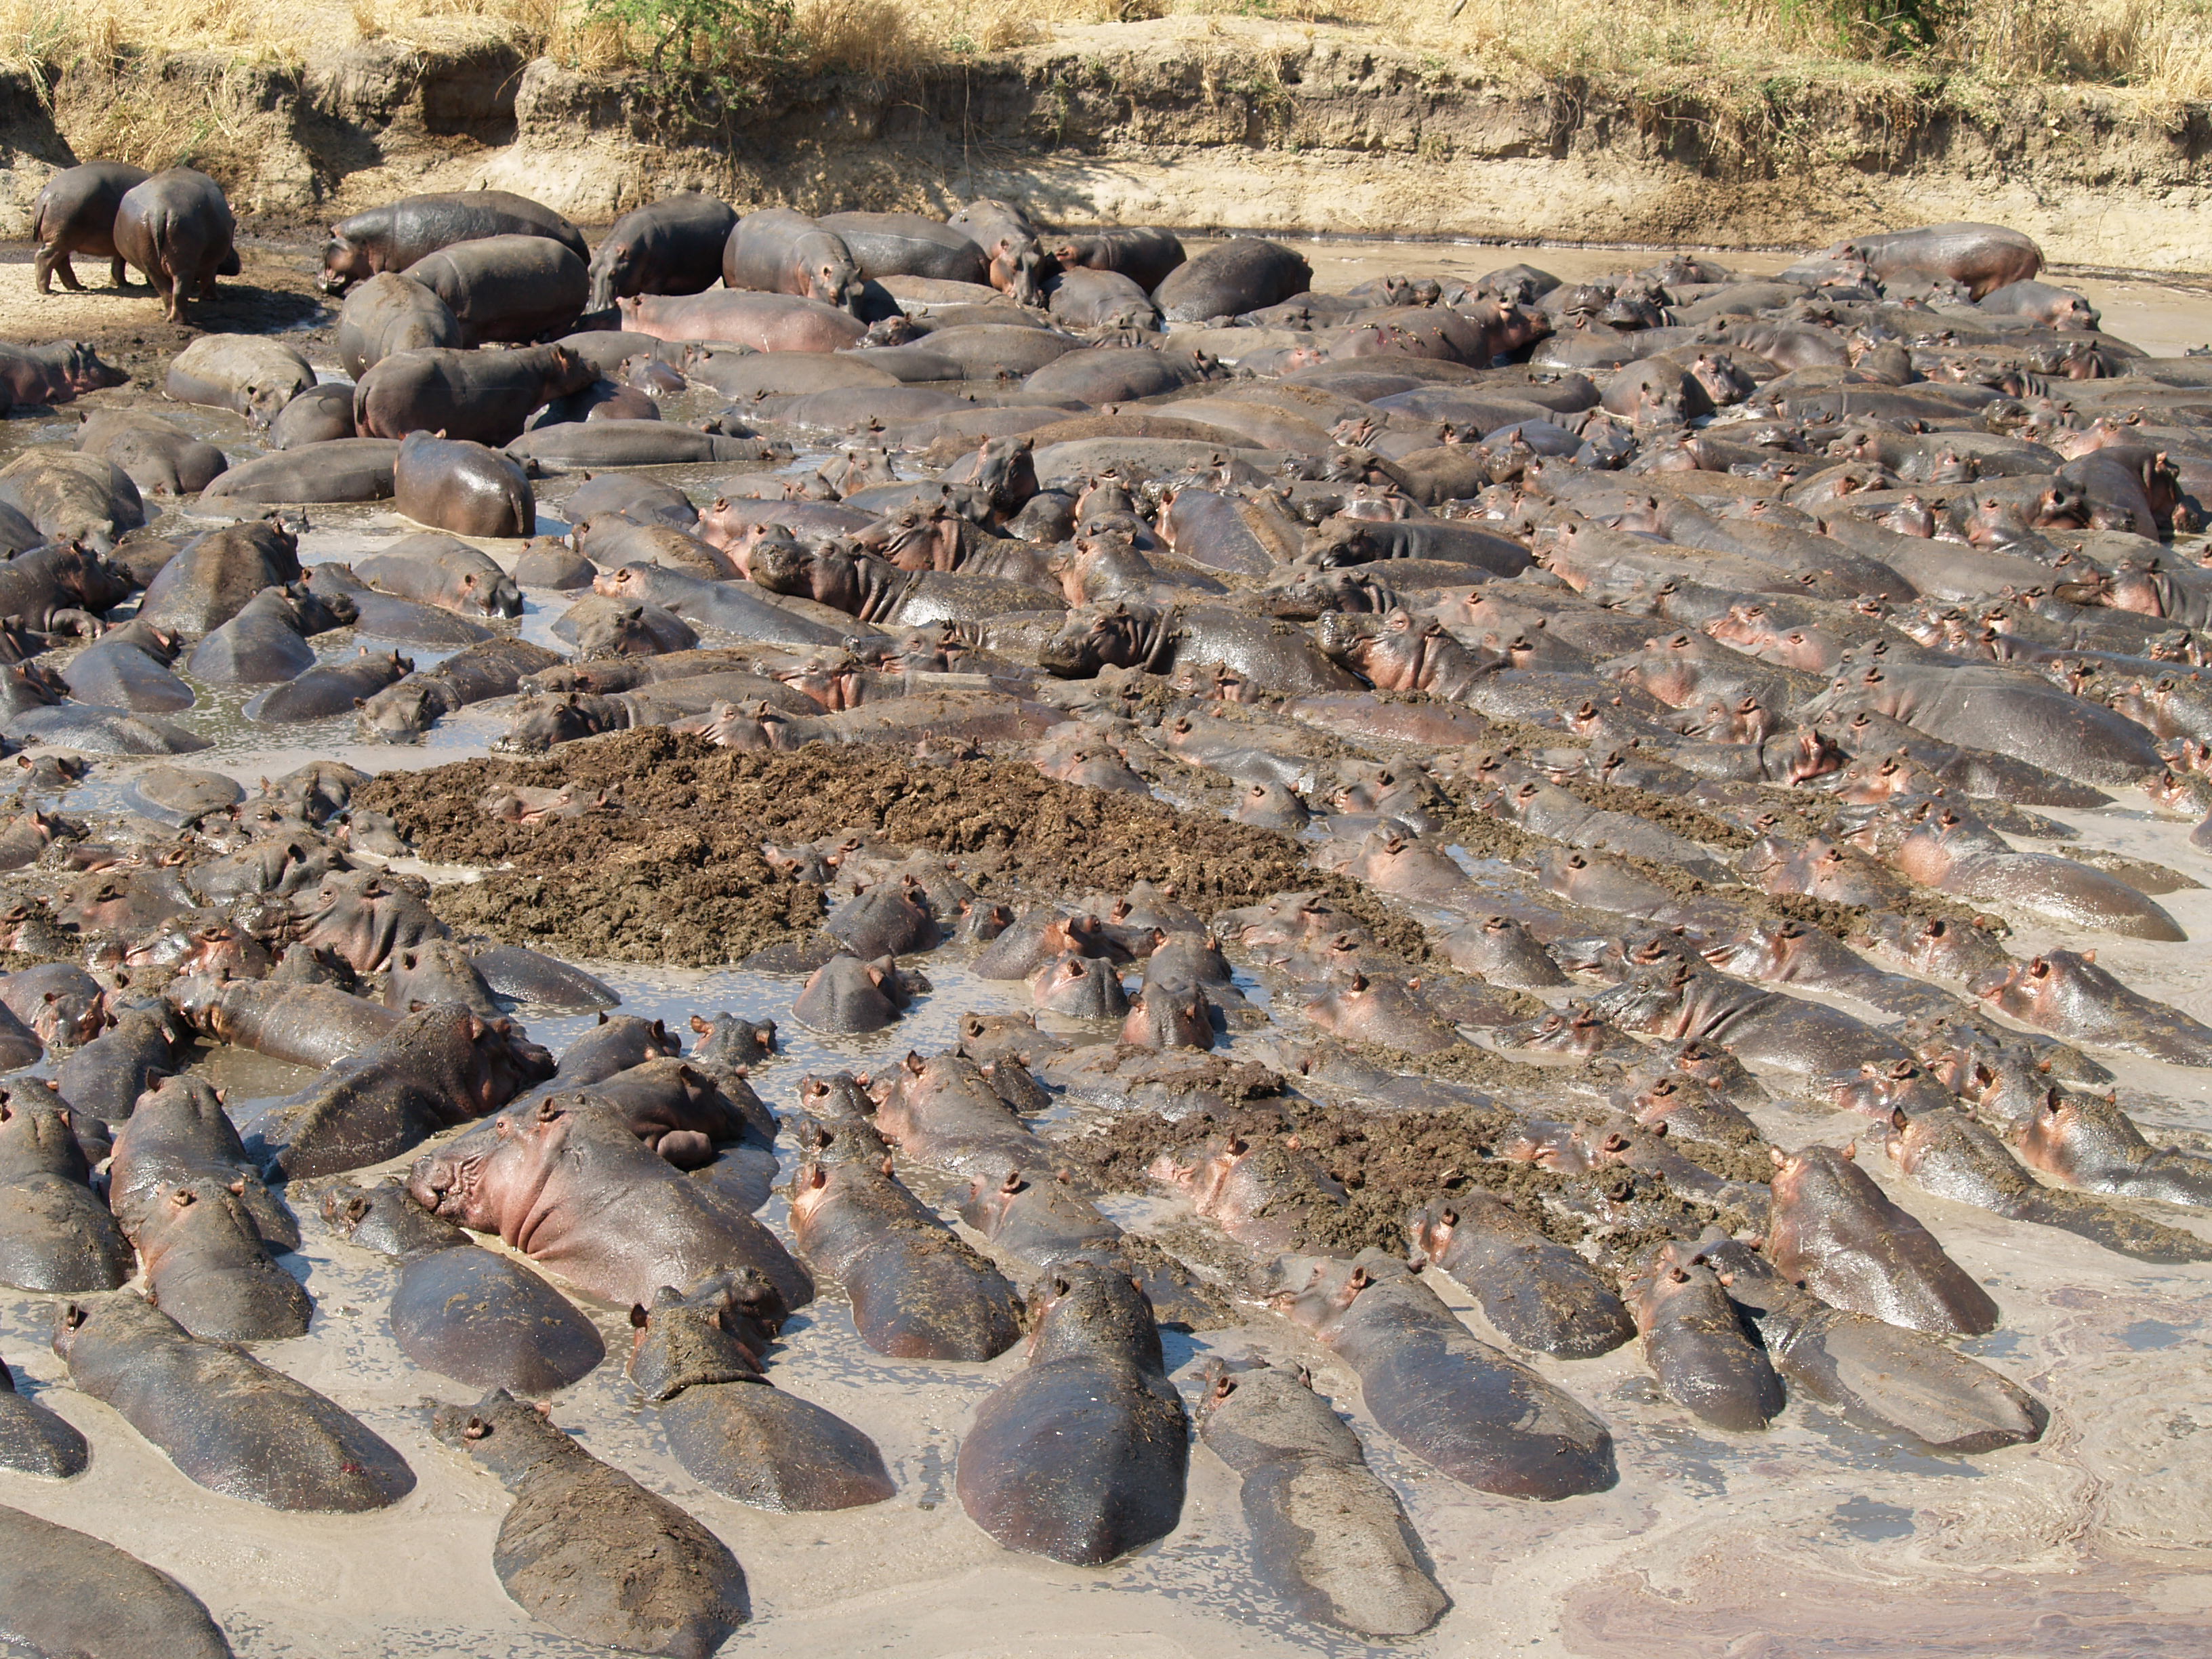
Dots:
pixel 1851 1150
pixel 1776 1154
pixel 637 1315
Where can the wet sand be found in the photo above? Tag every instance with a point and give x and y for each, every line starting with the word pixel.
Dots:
pixel 1813 1539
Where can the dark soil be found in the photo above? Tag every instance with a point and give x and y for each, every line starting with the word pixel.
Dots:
pixel 677 875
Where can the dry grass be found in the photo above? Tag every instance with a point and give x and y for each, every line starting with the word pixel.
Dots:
pixel 2161 49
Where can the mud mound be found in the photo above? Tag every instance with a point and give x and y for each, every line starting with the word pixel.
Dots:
pixel 676 873
pixel 1392 1162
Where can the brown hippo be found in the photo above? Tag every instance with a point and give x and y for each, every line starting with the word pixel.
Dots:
pixel 482 396
pixel 74 213
pixel 1082 1456
pixel 765 321
pixel 673 245
pixel 388 314
pixel 1695 1344
pixel 464 488
pixel 1984 258
pixel 1538 1293
pixel 177 229
pixel 55 1234
pixel 208 1268
pixel 507 288
pixel 65 1591
pixel 1245 273
pixel 586 1550
pixel 1834 1232
pixel 396 235
pixel 2066 993
pixel 1015 261
pixel 569 1184
pixel 907 245
pixel 1144 254
pixel 1327 1533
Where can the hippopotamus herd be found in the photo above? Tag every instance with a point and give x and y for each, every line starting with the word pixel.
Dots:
pixel 1683 700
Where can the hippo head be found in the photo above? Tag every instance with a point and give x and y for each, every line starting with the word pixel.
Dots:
pixel 83 370
pixel 475 1180
pixel 829 273
pixel 718 1331
pixel 345 264
pixel 542 723
pixel 1317 1291
pixel 782 567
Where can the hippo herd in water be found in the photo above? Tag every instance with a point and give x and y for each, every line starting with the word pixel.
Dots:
pixel 1654 676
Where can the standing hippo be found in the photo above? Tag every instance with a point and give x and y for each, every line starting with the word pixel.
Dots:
pixel 177 229
pixel 453 485
pixel 1245 273
pixel 507 288
pixel 226 1421
pixel 74 213
pixel 1015 262
pixel 777 251
pixel 388 314
pixel 1985 257
pixel 1083 1457
pixel 397 235
pixel 673 245
pixel 586 1550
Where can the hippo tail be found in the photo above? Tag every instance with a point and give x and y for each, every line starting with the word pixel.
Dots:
pixel 2116 1229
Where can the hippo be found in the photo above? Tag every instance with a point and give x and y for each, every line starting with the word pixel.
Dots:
pixel 395 236
pixel 1081 1457
pixel 73 212
pixel 616 1042
pixel 177 1135
pixel 35 1441
pixel 329 689
pixel 1954 1157
pixel 1477 1414
pixel 342 470
pixel 1361 1567
pixel 1696 1347
pixel 467 1313
pixel 1015 262
pixel 71 497
pixel 673 245
pixel 160 458
pixel 945 1111
pixel 586 1550
pixel 382 616
pixel 454 485
pixel 56 1235
pixel 2066 993
pixel 475 396
pixel 1268 1197
pixel 698 1358
pixel 437 970
pixel 409 706
pixel 1982 258
pixel 765 321
pixel 177 229
pixel 300 1024
pixel 441 1066
pixel 1539 1294
pixel 1834 1230
pixel 554 1178
pixel 512 288
pixel 1145 253
pixel 106 1076
pixel 128 667
pixel 907 244
pixel 391 312
pixel 65 1591
pixel 246 373
pixel 2088 1142
pixel 321 413
pixel 226 1421
pixel 850 996
pixel 2053 307
pixel 917 1291
pixel 442 571
pixel 574 446
pixel 217 573
pixel 266 642
pixel 1157 639
pixel 1101 300
pixel 1041 1221
pixel 207 1267
pixel 56 372
pixel 777 251
pixel 1243 273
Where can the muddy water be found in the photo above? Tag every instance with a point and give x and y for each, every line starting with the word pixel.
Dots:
pixel 1813 1539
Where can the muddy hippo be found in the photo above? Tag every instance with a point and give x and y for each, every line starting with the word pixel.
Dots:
pixel 1834 1232
pixel 180 1135
pixel 777 251
pixel 1083 1457
pixel 464 488
pixel 106 1076
pixel 342 470
pixel 65 1591
pixel 321 413
pixel 177 229
pixel 907 244
pixel 1101 300
pixel 396 235
pixel 698 1358
pixel 673 245
pixel 1157 639
pixel 467 1313
pixel 586 1550
pixel 207 1267
pixel 226 1421
pixel 71 497
pixel 128 667
pixel 569 1184
pixel 73 212
pixel 2066 993
pixel 1477 1414
pixel 329 687
pixel 850 996
pixel 56 1235
pixel 1695 1345
pixel 161 459
pixel 1984 258
pixel 2088 1141
pixel 917 1290
pixel 1540 1294
pixel 481 396
pixel 216 574
pixel 247 373
pixel 388 314
pixel 1015 262
pixel 507 288
pixel 409 706
pixel 56 372
pixel 35 1441
pixel 1327 1535
pixel 439 1067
